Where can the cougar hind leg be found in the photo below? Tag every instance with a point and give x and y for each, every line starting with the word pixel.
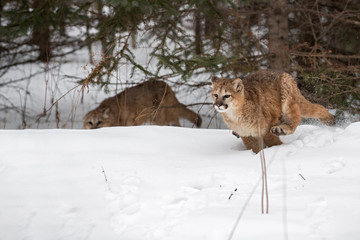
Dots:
pixel 290 119
pixel 272 140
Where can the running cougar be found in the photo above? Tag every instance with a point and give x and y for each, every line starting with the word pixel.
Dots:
pixel 265 104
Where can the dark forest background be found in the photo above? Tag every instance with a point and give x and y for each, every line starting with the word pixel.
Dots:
pixel 317 41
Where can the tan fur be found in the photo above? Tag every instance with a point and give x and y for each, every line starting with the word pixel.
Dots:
pixel 151 102
pixel 264 105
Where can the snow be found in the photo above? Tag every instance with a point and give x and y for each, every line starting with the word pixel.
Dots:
pixel 151 182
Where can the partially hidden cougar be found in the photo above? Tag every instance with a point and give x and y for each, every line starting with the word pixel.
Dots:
pixel 150 102
pixel 264 105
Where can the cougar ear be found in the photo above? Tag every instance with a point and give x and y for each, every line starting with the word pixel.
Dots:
pixel 238 84
pixel 106 113
pixel 214 79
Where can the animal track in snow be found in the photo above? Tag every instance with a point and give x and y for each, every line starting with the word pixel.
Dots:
pixel 75 224
pixel 179 206
pixel 335 165
pixel 317 138
pixel 124 202
pixel 316 216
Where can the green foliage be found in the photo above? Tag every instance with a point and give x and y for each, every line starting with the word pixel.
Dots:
pixel 21 17
pixel 188 37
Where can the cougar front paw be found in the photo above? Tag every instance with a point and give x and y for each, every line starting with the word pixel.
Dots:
pixel 278 130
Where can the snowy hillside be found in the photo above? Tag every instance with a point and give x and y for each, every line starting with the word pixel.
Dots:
pixel 167 183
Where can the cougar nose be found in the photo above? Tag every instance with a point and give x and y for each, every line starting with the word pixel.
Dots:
pixel 218 104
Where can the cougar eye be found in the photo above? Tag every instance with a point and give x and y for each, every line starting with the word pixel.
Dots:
pixel 227 96
pixel 99 122
pixel 90 123
pixel 216 96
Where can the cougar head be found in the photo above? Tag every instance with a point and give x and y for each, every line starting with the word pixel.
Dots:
pixel 224 92
pixel 97 118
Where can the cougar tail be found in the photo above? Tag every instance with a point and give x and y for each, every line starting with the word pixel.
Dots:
pixel 190 115
pixel 313 110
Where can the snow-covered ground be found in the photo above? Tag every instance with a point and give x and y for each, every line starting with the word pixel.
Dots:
pixel 161 183
pixel 168 183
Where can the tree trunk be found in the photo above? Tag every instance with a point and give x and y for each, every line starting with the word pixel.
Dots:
pixel 107 37
pixel 198 28
pixel 1 8
pixel 278 36
pixel 42 39
pixel 41 36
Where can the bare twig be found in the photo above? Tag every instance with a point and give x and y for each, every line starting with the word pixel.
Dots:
pixel 325 14
pixel 264 189
pixel 232 194
pixel 302 176
pixel 324 55
pixel 52 105
pixel 104 173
